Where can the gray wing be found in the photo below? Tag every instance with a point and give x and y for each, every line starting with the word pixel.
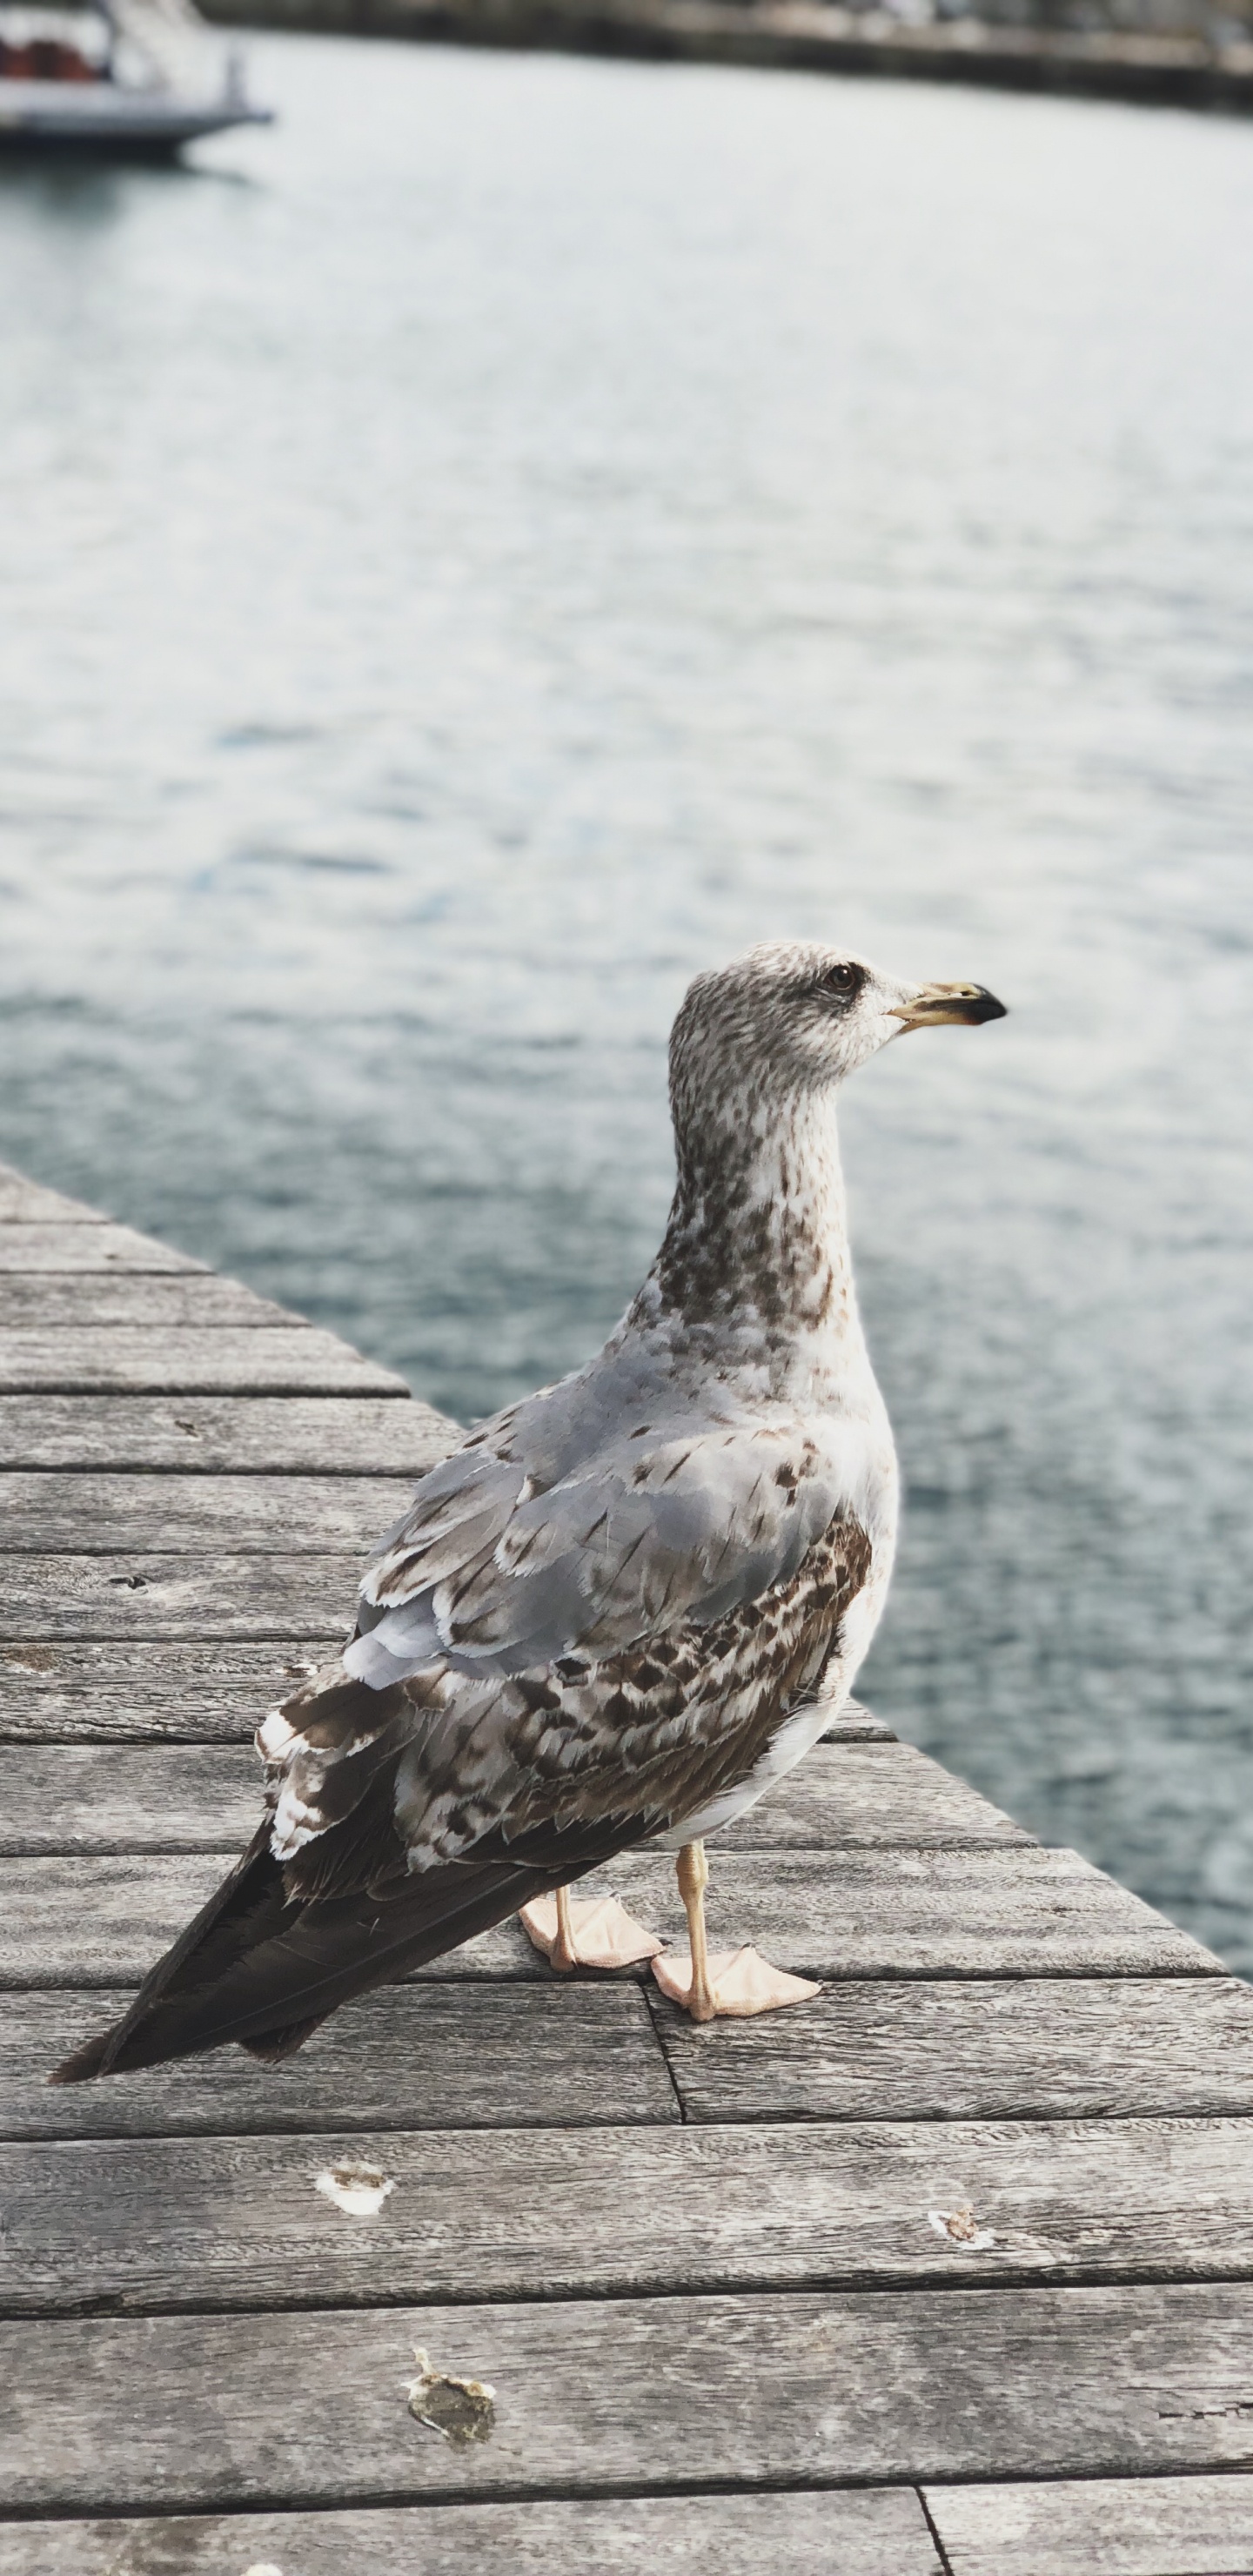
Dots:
pixel 603 1511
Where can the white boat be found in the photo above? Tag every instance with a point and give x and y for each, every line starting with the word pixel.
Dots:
pixel 121 77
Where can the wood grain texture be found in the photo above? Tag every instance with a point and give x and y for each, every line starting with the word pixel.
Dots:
pixel 182 2413
pixel 858 1725
pixel 1020 1912
pixel 124 1798
pixel 83 1301
pixel 104 1922
pixel 132 1359
pixel 24 1202
pixel 55 1690
pixel 1006 2050
pixel 97 1798
pixel 144 1691
pixel 467 2053
pixel 869 1793
pixel 97 1922
pixel 554 2054
pixel 538 2213
pixel 183 1515
pixel 292 1435
pixel 1199 2526
pixel 34 1249
pixel 833 2533
pixel 195 1598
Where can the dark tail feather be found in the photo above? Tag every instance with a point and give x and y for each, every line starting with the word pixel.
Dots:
pixel 270 2047
pixel 261 1968
pixel 249 1903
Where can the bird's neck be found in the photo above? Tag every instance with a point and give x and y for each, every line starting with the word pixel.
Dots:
pixel 756 1247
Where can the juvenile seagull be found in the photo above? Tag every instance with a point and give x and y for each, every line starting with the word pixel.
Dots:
pixel 623 1606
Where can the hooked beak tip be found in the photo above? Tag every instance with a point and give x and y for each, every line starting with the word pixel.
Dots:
pixel 936 1006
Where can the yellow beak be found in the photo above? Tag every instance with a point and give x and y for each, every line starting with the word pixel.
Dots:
pixel 935 1005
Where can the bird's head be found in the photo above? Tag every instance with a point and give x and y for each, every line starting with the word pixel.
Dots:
pixel 796 1016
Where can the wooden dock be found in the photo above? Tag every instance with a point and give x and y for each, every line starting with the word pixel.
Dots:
pixel 950 2274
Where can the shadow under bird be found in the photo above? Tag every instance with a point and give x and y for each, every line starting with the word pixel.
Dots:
pixel 622 1607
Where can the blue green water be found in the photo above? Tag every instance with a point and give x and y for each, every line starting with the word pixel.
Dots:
pixel 525 528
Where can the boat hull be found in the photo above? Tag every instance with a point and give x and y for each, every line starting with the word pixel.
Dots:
pixel 60 118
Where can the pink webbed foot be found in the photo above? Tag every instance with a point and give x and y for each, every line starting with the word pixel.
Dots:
pixel 740 1982
pixel 601 1933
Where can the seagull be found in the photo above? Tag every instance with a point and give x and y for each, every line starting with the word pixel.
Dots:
pixel 623 1606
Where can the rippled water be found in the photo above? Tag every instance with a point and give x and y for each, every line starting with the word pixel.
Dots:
pixel 522 530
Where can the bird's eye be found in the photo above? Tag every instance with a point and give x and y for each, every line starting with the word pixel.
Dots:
pixel 842 980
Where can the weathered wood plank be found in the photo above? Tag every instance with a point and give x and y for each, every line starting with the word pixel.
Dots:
pixel 1007 2049
pixel 97 1922
pixel 562 2054
pixel 837 2532
pixel 31 1249
pixel 53 1690
pixel 182 1515
pixel 858 1725
pixel 181 2413
pixel 924 1887
pixel 24 1202
pixel 1018 1912
pixel 115 1798
pixel 1199 2526
pixel 126 1359
pixel 136 1691
pixel 127 1798
pixel 103 1922
pixel 868 1793
pixel 89 1301
pixel 538 2213
pixel 201 1598
pixel 292 1435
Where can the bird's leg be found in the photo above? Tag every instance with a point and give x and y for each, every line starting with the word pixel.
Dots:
pixel 692 1872
pixel 735 1982
pixel 593 1932
pixel 563 1954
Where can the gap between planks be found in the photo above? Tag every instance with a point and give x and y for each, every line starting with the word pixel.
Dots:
pixel 1198 2526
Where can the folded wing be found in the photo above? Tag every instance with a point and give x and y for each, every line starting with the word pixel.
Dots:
pixel 530 1544
pixel 565 1646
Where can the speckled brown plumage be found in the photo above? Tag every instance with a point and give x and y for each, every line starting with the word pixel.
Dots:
pixel 605 1752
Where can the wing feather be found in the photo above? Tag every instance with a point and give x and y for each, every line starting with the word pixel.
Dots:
pixel 527 1545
